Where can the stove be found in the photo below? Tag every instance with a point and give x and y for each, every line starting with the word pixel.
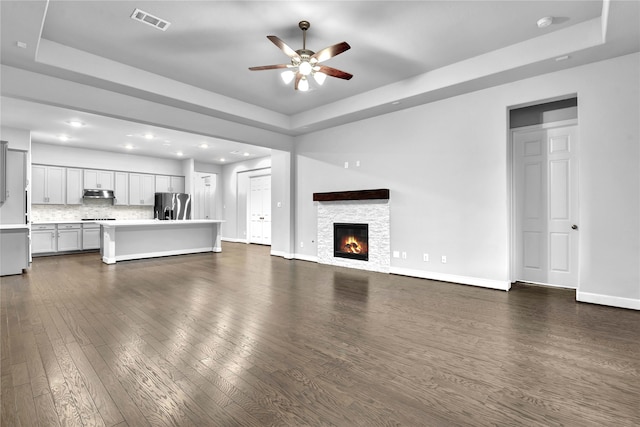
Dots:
pixel 98 219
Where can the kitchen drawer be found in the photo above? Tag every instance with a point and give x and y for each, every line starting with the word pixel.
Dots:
pixel 49 227
pixel 88 226
pixel 69 227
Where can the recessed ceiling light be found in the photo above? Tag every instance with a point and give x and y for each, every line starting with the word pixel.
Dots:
pixel 395 103
pixel 148 136
pixel 129 134
pixel 222 159
pixel 545 22
pixel 179 154
pixel 166 143
pixel 64 138
pixel 21 45
pixel 562 58
pixel 246 154
pixel 129 147
pixel 204 146
pixel 75 123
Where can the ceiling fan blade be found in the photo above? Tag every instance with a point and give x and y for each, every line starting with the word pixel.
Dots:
pixel 298 78
pixel 269 67
pixel 331 51
pixel 284 47
pixel 333 72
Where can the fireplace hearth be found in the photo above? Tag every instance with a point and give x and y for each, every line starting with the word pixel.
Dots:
pixel 351 241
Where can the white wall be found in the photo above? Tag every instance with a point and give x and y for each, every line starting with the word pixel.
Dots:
pixel 446 165
pixel 70 156
pixel 19 139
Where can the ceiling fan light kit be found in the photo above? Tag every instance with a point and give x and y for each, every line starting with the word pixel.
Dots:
pixel 305 62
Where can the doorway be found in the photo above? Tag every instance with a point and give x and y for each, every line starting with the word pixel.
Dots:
pixel 260 209
pixel 545 203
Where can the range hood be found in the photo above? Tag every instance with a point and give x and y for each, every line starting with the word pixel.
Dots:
pixel 98 194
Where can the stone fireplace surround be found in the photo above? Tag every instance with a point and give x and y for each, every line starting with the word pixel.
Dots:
pixel 363 207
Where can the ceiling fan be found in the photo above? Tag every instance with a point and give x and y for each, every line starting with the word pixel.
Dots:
pixel 306 63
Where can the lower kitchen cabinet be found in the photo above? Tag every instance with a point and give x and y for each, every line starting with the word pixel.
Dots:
pixel 90 236
pixel 69 237
pixel 48 239
pixel 43 239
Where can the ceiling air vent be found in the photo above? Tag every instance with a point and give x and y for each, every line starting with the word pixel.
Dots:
pixel 147 18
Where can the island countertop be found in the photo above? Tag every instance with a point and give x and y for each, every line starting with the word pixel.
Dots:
pixel 156 222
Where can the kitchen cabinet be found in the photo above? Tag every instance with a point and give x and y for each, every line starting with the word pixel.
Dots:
pixel 47 185
pixel 90 236
pixel 14 208
pixel 121 190
pixel 14 248
pixel 169 184
pixel 69 237
pixel 98 179
pixel 141 189
pixel 43 238
pixel 74 186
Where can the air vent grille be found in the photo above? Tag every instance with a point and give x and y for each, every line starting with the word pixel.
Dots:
pixel 147 18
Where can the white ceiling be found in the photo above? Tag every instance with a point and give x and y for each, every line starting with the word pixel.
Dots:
pixel 200 64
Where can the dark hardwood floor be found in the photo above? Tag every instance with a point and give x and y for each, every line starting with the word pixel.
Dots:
pixel 241 338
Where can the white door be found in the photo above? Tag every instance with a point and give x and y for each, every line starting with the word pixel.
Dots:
pixel 260 210
pixel 546 195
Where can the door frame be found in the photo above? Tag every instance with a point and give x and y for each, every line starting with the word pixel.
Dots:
pixel 248 214
pixel 513 247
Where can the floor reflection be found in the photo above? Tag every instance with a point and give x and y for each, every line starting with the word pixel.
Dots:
pixel 350 286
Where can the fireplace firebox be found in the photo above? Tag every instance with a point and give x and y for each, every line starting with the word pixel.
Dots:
pixel 351 241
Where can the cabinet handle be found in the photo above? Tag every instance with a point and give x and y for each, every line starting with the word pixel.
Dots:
pixel 99 185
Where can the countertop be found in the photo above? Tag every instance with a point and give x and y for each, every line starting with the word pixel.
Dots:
pixel 155 222
pixel 62 221
pixel 14 227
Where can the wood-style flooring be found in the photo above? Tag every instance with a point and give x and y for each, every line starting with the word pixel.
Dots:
pixel 241 338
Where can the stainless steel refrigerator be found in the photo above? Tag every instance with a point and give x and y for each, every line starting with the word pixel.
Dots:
pixel 172 206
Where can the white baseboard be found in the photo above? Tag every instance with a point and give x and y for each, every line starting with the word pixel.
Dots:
pixel 503 285
pixel 310 258
pixel 285 255
pixel 233 240
pixel 633 304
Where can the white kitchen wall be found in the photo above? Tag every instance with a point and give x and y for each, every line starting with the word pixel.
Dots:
pixel 446 164
pixel 69 156
pixel 19 139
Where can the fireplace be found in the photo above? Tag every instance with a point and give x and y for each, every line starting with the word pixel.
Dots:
pixel 351 241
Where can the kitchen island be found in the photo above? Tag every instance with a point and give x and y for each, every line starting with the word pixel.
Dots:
pixel 136 239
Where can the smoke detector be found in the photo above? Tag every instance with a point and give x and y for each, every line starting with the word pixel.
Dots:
pixel 149 19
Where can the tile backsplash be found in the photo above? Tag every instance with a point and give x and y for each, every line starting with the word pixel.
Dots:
pixel 89 209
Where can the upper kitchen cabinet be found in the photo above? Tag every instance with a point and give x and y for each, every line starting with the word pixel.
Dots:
pixel 74 186
pixel 169 184
pixel 98 179
pixel 141 189
pixel 47 185
pixel 122 189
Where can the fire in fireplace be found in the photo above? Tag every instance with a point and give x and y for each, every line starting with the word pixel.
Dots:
pixel 351 241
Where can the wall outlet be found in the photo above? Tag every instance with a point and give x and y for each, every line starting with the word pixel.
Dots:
pixel 279 204
pixel 346 165
pixel 357 163
pixel 425 257
pixel 396 254
pixel 404 255
pixel 444 259
pixel 302 244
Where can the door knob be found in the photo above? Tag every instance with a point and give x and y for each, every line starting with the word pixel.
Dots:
pixel 574 227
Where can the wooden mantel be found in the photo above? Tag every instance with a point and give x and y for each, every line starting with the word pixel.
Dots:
pixel 351 195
